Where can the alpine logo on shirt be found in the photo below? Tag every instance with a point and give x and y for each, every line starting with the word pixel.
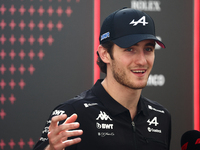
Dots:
pixel 155 123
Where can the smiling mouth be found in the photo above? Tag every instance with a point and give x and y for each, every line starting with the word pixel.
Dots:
pixel 139 71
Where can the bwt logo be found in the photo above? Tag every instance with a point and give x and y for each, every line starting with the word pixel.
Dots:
pixel 104 126
pixel 156 80
pixel 58 112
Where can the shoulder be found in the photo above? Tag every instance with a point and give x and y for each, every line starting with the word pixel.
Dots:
pixel 155 106
pixel 75 104
pixel 86 96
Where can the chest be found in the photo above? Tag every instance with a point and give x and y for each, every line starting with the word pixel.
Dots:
pixel 102 130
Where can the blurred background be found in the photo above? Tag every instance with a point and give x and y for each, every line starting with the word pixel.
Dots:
pixel 47 50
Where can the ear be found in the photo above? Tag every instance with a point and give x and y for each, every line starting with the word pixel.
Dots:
pixel 104 55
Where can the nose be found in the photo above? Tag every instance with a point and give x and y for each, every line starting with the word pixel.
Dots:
pixel 141 58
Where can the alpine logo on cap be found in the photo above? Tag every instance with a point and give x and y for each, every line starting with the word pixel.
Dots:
pixel 142 20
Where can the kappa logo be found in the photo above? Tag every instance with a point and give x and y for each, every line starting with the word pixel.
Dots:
pixel 103 116
pixel 142 20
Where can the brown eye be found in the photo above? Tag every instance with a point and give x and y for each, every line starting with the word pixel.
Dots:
pixel 149 49
pixel 129 49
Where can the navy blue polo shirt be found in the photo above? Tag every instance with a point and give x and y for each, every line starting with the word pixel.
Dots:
pixel 107 125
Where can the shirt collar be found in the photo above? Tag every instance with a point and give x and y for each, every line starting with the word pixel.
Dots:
pixel 112 105
pixel 142 108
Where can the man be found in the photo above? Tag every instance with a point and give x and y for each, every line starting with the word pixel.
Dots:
pixel 113 114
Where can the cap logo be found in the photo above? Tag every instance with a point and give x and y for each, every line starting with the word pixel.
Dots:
pixel 142 20
pixel 105 36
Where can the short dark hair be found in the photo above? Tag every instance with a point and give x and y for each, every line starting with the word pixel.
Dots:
pixel 109 47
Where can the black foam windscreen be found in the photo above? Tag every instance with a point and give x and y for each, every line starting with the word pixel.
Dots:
pixel 190 140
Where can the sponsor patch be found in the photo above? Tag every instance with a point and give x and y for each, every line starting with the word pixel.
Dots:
pixel 105 36
pixel 58 112
pixel 103 134
pixel 104 126
pixel 154 109
pixel 103 116
pixel 89 104
pixel 154 130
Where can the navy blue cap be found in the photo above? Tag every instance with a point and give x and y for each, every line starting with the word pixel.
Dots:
pixel 126 27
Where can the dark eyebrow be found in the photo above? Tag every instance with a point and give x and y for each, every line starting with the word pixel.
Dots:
pixel 151 44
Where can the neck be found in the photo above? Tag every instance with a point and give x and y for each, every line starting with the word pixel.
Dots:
pixel 127 97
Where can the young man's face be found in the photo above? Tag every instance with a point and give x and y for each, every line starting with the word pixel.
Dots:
pixel 131 66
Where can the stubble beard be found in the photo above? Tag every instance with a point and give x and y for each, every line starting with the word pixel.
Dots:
pixel 121 77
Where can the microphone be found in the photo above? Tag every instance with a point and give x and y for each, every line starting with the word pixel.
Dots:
pixel 190 140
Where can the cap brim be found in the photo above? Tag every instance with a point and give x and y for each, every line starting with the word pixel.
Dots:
pixel 129 40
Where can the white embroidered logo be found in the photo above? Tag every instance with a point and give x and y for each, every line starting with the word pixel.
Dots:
pixel 141 20
pixel 154 130
pixel 89 104
pixel 103 116
pixel 154 109
pixel 58 112
pixel 153 121
pixel 104 126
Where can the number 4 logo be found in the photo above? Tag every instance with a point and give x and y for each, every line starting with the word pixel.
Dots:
pixel 141 20
pixel 153 121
